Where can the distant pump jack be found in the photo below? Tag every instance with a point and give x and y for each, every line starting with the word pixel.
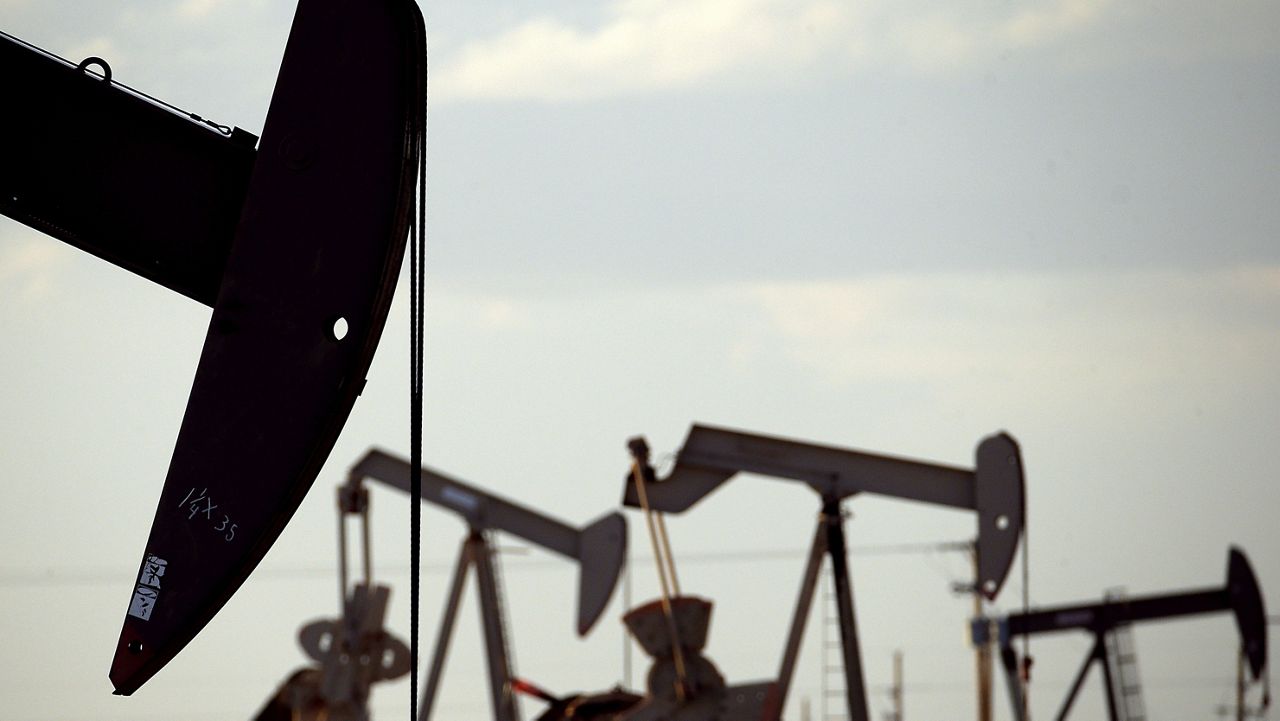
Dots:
pixel 1241 595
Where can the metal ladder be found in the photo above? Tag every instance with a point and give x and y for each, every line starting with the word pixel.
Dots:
pixel 834 703
pixel 1123 657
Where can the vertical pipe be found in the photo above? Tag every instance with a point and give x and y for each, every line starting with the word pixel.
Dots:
pixel 368 546
pixel 342 556
pixel 982 653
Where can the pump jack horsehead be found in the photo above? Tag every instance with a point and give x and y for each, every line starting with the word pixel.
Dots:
pixel 296 245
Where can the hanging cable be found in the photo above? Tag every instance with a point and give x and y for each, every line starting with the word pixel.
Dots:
pixel 417 280
pixel 662 557
pixel 1025 671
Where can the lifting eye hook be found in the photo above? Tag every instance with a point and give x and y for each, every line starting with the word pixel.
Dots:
pixel 95 60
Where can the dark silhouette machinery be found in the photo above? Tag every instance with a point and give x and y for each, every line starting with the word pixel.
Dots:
pixel 298 263
pixel 354 652
pixel 711 456
pixel 1241 595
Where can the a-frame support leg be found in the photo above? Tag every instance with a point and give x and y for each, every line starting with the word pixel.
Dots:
pixel 778 699
pixel 446 630
pixel 475 551
pixel 1013 679
pixel 1098 652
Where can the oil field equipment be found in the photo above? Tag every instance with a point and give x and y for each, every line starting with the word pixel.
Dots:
pixel 1241 595
pixel 297 261
pixel 711 456
pixel 599 549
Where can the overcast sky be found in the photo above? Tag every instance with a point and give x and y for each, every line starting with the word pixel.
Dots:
pixel 895 226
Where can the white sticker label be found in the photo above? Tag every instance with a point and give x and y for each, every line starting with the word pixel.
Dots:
pixel 144 597
pixel 459 498
pixel 1073 618
pixel 152 570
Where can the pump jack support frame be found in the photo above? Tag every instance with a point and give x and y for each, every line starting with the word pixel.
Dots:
pixel 828 540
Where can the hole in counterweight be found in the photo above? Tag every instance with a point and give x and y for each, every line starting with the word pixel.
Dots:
pixel 339 329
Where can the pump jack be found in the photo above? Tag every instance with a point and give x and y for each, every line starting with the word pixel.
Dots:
pixel 599 549
pixel 354 651
pixel 994 489
pixel 296 258
pixel 1241 595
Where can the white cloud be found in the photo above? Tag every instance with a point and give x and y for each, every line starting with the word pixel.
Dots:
pixel 645 45
pixel 99 46
pixel 27 269
pixel 649 45
pixel 456 308
pixel 1262 282
pixel 1037 24
pixel 1032 339
pixel 1126 329
pixel 196 9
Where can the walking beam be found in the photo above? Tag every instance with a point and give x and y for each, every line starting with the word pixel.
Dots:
pixel 993 488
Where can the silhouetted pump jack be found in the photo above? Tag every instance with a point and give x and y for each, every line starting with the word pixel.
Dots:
pixel 1241 595
pixel 993 489
pixel 600 549
pixel 295 245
